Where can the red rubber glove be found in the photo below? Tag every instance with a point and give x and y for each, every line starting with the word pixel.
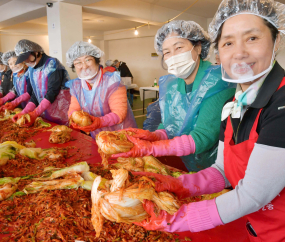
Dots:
pixel 96 124
pixel 141 148
pixel 144 134
pixel 8 106
pixel 33 116
pixel 17 116
pixel 167 183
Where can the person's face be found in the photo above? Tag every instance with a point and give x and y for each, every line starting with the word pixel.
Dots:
pixel 12 65
pixel 246 39
pixel 218 61
pixel 85 66
pixel 174 46
pixel 117 65
pixel 2 67
pixel 32 61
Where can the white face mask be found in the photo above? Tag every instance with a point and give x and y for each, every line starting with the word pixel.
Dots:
pixel 31 64
pixel 243 73
pixel 181 65
pixel 88 75
pixel 2 70
pixel 17 70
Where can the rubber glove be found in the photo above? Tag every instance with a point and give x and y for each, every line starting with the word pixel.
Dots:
pixel 29 107
pixel 9 96
pixel 147 135
pixel 207 181
pixel 179 146
pixel 12 105
pixel 37 112
pixel 196 217
pixel 107 120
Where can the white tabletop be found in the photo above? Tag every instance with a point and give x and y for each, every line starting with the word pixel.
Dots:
pixel 150 88
pixel 148 94
pixel 132 86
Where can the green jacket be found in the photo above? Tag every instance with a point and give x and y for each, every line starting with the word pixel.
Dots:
pixel 207 129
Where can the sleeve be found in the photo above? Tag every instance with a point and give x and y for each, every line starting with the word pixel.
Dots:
pixel 118 103
pixel 74 105
pixel 206 132
pixel 219 164
pixel 161 126
pixel 54 85
pixel 263 181
pixel 33 98
pixel 272 122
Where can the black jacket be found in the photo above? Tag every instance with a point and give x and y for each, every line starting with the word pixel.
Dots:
pixel 7 82
pixel 124 70
pixel 272 118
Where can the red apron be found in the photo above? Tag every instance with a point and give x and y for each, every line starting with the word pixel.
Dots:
pixel 269 221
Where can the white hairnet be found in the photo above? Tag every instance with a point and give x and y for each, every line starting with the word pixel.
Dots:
pixel 7 55
pixel 25 45
pixel 186 30
pixel 82 48
pixel 273 12
pixel 1 54
pixel 109 63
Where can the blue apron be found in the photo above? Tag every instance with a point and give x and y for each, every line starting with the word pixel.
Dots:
pixel 179 112
pixel 20 84
pixel 57 111
pixel 95 101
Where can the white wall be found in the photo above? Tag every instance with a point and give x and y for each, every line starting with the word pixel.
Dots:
pixel 8 42
pixel 136 52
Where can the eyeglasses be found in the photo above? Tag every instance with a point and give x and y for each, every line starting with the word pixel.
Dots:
pixel 79 64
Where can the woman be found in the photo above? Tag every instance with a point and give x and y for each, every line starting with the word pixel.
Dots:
pixel 50 98
pixel 6 79
pixel 100 94
pixel 251 148
pixel 191 99
pixel 20 80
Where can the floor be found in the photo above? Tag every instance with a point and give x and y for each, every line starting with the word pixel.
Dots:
pixel 138 109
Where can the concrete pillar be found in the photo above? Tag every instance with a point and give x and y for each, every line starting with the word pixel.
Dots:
pixel 64 29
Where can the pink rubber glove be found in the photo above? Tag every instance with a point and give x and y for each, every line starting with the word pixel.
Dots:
pixel 107 120
pixel 12 105
pixel 29 107
pixel 179 146
pixel 207 181
pixel 9 96
pixel 147 135
pixel 197 216
pixel 38 111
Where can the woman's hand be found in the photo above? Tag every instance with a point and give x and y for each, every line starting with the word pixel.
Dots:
pixel 143 134
pixel 96 124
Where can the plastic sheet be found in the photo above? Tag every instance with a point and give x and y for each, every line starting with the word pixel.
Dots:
pixel 82 48
pixel 153 117
pixel 20 84
pixel 273 12
pixel 95 101
pixel 179 112
pixel 185 30
pixel 57 112
pixel 7 55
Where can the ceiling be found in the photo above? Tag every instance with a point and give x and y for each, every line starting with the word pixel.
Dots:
pixel 105 15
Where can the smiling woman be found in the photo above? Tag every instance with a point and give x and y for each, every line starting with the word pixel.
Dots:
pixel 99 94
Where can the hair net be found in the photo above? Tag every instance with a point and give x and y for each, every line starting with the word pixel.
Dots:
pixel 115 62
pixel 7 55
pixel 186 30
pixel 273 12
pixel 1 54
pixel 82 48
pixel 109 63
pixel 25 45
